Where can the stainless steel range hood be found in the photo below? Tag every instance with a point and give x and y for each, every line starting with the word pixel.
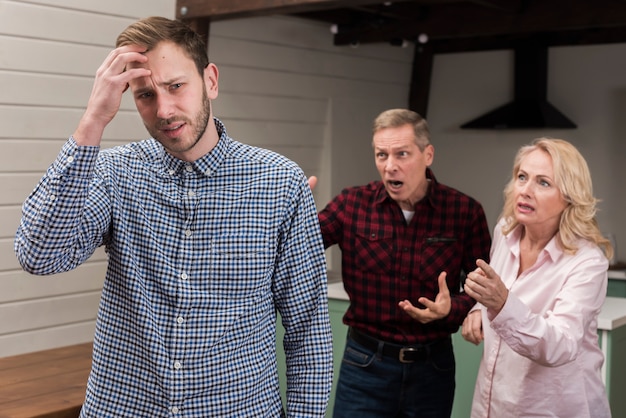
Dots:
pixel 529 108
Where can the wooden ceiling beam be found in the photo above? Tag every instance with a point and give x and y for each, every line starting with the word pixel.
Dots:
pixel 451 21
pixel 551 39
pixel 229 9
pixel 512 6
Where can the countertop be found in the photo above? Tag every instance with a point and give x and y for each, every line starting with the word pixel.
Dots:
pixel 336 291
pixel 613 314
pixel 617 274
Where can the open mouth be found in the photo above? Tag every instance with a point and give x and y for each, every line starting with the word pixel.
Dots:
pixel 395 184
pixel 524 208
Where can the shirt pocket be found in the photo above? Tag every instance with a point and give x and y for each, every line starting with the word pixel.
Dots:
pixel 441 250
pixel 241 264
pixel 373 250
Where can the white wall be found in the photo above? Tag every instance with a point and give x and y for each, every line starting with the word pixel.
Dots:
pixel 49 52
pixel 586 83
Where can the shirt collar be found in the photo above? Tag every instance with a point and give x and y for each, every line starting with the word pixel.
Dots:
pixel 552 248
pixel 206 165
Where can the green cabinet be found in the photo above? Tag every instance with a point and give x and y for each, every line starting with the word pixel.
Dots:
pixel 336 309
pixel 467 359
pixel 612 336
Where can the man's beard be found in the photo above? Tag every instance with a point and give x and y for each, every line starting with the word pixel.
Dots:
pixel 199 127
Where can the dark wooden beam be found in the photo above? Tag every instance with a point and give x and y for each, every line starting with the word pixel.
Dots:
pixel 551 39
pixel 513 6
pixel 419 89
pixel 463 20
pixel 229 9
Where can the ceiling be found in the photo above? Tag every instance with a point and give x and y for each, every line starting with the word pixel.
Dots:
pixel 442 26
pixel 451 25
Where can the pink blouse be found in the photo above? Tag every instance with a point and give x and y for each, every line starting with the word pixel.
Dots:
pixel 541 355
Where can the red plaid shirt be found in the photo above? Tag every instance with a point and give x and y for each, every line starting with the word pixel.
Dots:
pixel 384 260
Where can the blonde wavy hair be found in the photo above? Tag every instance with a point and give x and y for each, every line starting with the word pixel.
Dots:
pixel 572 177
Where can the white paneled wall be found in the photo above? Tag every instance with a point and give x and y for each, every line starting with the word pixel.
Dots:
pixel 49 52
pixel 283 86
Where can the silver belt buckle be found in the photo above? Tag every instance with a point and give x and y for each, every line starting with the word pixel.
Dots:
pixel 404 350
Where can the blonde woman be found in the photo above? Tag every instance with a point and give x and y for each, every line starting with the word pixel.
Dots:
pixel 540 296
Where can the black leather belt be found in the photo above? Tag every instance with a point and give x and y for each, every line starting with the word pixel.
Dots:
pixel 402 353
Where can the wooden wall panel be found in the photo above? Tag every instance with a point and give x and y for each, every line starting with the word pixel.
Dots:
pixel 343 63
pixel 37 123
pixel 133 9
pixel 263 82
pixel 52 311
pixel 17 285
pixel 8 260
pixel 50 22
pixel 42 339
pixel 55 91
pixel 49 53
pixel 10 219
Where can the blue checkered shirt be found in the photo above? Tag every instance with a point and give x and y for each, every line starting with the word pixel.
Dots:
pixel 201 257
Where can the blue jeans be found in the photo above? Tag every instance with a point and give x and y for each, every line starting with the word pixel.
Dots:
pixel 371 385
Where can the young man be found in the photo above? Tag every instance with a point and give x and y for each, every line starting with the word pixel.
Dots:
pixel 405 241
pixel 207 239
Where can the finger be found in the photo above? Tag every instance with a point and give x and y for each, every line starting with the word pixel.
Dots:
pixel 420 315
pixel 486 268
pixel 428 304
pixel 474 327
pixel 467 332
pixel 469 336
pixel 408 307
pixel 471 284
pixel 312 182
pixel 118 58
pixel 443 284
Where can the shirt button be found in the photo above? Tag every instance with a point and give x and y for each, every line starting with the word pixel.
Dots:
pixel 184 276
pixel 191 193
pixel 188 168
pixel 175 410
pixel 171 172
pixel 70 159
pixel 177 365
pixel 52 197
pixel 208 172
pixel 180 320
pixel 188 233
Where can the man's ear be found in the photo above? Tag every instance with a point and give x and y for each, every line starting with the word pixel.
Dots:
pixel 429 151
pixel 211 75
